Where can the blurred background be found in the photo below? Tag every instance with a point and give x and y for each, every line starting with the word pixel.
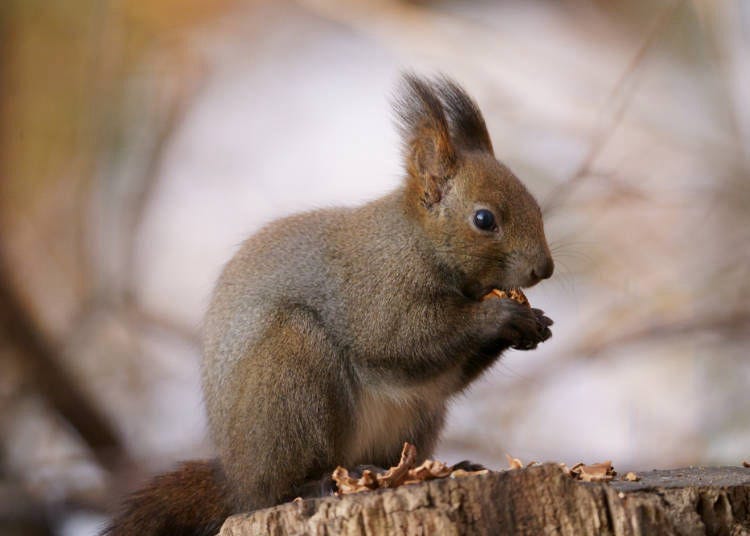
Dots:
pixel 140 142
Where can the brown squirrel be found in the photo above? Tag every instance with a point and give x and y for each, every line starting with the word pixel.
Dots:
pixel 335 336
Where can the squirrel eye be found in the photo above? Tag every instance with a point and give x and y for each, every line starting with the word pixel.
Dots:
pixel 484 220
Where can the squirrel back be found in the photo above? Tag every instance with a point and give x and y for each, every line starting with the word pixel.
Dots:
pixel 336 335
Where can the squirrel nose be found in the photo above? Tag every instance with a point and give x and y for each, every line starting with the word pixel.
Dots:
pixel 543 269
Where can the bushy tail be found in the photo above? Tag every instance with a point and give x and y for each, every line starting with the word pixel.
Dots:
pixel 190 501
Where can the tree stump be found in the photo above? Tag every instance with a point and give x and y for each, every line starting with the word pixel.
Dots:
pixel 536 500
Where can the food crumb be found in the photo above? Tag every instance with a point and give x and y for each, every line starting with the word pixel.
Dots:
pixel 516 295
pixel 596 472
pixel 404 473
pixel 632 477
pixel 513 463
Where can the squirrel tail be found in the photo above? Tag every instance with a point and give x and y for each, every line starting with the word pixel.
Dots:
pixel 193 500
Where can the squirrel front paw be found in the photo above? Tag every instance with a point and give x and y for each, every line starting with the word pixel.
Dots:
pixel 535 330
pixel 520 326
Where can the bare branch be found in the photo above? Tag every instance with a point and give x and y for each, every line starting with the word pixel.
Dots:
pixel 177 102
pixel 729 324
pixel 621 93
pixel 53 382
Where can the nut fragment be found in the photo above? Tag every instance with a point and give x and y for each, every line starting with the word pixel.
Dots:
pixel 392 478
pixel 428 470
pixel 515 294
pixel 514 463
pixel 596 472
pixel 576 469
pixel 459 473
pixel 599 472
pixel 348 484
pixel 406 473
pixel 395 476
pixel 399 475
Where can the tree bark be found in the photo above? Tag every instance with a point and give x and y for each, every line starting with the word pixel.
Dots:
pixel 536 500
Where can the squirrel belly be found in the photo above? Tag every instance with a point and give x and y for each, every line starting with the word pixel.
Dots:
pixel 335 336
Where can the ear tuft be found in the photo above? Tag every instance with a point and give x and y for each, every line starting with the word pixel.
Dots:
pixel 430 155
pixel 467 125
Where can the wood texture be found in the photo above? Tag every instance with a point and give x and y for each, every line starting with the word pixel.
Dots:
pixel 536 500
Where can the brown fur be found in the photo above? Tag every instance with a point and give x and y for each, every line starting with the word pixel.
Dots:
pixel 336 335
pixel 191 501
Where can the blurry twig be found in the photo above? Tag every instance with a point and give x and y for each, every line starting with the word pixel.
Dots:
pixel 729 324
pixel 604 134
pixel 415 25
pixel 170 102
pixel 52 380
pixel 719 22
pixel 178 101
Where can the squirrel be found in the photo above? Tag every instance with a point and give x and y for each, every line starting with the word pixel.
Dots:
pixel 336 335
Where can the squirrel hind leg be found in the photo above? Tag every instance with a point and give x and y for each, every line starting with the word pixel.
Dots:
pixel 290 407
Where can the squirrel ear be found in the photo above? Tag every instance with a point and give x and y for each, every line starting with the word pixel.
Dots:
pixel 430 156
pixel 468 128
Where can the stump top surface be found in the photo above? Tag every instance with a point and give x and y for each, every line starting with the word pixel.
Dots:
pixel 702 477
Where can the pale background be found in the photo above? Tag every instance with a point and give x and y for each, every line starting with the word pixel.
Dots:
pixel 140 144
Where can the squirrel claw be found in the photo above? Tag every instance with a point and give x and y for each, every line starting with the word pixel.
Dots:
pixel 540 334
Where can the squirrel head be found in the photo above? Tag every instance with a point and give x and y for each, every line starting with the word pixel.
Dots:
pixel 481 222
